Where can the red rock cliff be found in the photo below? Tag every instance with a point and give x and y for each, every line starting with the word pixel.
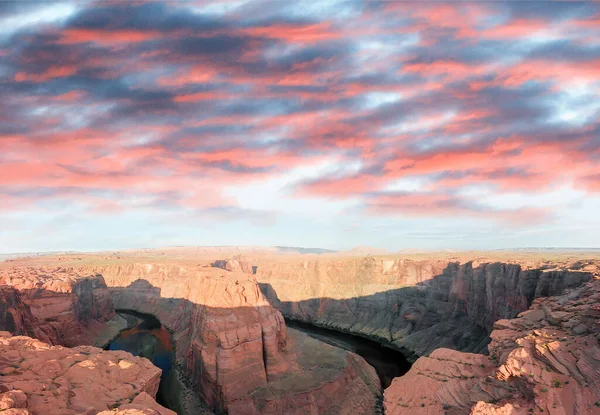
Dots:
pixel 545 361
pixel 69 308
pixel 417 306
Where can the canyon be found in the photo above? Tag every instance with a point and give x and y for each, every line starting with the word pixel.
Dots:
pixel 484 332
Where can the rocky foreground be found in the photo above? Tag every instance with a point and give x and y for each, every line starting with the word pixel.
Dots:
pixel 37 378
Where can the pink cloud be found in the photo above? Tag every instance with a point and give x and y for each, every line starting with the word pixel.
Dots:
pixel 516 29
pixel 293 33
pixel 103 37
pixel 556 71
pixel 50 73
pixel 341 188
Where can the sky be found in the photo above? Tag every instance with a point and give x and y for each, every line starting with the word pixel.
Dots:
pixel 331 124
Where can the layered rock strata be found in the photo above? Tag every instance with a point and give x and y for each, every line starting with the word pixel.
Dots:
pixel 15 315
pixel 545 361
pixel 229 341
pixel 416 306
pixel 39 379
pixel 238 265
pixel 68 309
pixel 328 380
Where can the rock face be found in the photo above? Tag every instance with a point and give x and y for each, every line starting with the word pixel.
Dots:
pixel 15 316
pixel 328 380
pixel 545 361
pixel 238 265
pixel 228 339
pixel 234 346
pixel 40 379
pixel 69 309
pixel 417 306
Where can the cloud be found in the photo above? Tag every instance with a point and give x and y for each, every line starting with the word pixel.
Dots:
pixel 438 204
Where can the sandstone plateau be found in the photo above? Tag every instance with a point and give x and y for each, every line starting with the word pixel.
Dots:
pixel 486 333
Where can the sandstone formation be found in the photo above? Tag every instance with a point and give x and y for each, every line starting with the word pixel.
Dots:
pixel 69 309
pixel 415 305
pixel 328 380
pixel 40 379
pixel 230 341
pixel 547 360
pixel 238 265
pixel 15 316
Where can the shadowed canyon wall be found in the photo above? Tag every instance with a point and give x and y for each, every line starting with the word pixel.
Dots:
pixel 416 306
pixel 15 315
pixel 68 310
pixel 545 361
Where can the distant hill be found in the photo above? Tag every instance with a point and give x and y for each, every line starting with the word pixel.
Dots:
pixel 5 257
pixel 289 249
pixel 366 250
pixel 553 249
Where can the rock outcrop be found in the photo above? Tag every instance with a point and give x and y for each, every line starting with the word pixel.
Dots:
pixel 69 309
pixel 15 316
pixel 235 348
pixel 229 340
pixel 238 265
pixel 416 306
pixel 40 379
pixel 328 380
pixel 545 361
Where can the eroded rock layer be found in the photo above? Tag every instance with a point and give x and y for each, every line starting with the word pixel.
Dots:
pixel 40 379
pixel 545 361
pixel 15 315
pixel 417 306
pixel 68 309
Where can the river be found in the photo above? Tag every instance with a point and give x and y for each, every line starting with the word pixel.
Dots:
pixel 146 337
pixel 388 363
